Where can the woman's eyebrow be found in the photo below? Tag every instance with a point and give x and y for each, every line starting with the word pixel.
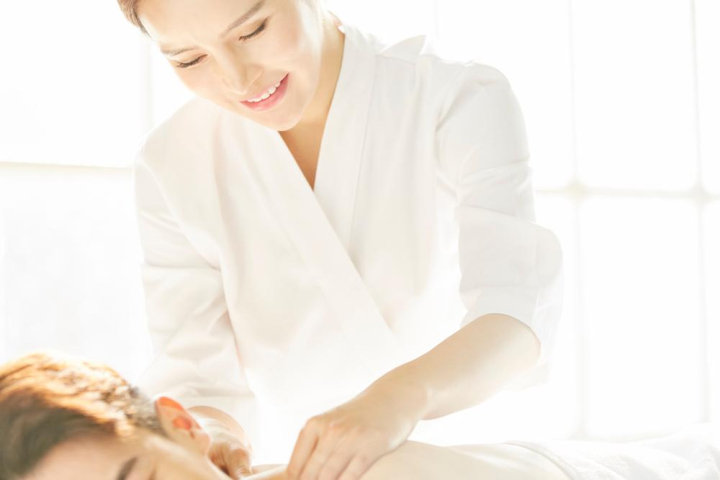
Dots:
pixel 126 469
pixel 171 52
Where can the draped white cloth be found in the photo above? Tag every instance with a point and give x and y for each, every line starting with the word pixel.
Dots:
pixel 692 453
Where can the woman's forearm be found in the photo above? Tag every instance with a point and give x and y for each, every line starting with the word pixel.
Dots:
pixel 469 366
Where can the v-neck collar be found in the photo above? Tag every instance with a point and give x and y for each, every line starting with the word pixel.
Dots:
pixel 341 147
pixel 319 221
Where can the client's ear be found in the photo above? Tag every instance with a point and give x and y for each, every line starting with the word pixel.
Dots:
pixel 180 425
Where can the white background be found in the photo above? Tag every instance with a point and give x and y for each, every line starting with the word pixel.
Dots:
pixel 623 115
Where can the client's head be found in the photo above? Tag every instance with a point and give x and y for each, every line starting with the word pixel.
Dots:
pixel 64 417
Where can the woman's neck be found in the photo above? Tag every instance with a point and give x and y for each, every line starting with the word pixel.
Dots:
pixel 332 55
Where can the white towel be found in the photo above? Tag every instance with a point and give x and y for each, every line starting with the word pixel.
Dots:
pixel 690 454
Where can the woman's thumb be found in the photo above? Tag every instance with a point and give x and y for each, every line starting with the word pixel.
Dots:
pixel 238 463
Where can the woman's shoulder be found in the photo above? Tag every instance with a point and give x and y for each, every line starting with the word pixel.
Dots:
pixel 423 62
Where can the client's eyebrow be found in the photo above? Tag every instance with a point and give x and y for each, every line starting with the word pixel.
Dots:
pixel 126 469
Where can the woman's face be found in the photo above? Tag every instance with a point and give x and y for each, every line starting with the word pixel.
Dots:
pixel 230 51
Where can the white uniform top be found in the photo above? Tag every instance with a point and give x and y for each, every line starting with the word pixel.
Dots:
pixel 262 291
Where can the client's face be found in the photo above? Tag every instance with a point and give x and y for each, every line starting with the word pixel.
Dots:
pixel 144 456
pixel 148 456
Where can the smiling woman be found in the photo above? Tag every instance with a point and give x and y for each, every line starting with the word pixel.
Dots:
pixel 409 246
pixel 234 53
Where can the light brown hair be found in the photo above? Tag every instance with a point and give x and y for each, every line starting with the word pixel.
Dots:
pixel 50 398
pixel 129 9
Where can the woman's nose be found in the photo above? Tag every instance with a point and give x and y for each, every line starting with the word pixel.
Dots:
pixel 238 78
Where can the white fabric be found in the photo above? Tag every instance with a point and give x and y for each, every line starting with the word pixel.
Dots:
pixel 690 454
pixel 422 461
pixel 497 461
pixel 264 292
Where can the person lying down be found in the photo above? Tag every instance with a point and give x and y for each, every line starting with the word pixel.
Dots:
pixel 64 417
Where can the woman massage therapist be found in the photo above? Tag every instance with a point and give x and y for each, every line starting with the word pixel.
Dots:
pixel 338 234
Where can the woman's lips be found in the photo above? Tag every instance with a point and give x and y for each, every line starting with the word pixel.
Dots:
pixel 272 100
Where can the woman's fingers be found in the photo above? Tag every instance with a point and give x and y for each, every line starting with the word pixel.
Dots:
pixel 276 473
pixel 319 457
pixel 333 466
pixel 330 456
pixel 304 447
pixel 237 462
pixel 268 466
pixel 232 459
pixel 357 467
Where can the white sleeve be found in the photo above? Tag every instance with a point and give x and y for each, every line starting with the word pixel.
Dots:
pixel 509 263
pixel 196 357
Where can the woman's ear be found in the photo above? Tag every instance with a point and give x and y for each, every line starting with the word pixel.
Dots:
pixel 180 425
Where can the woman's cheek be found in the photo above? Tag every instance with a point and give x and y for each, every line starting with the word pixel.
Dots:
pixel 186 79
pixel 287 43
pixel 199 83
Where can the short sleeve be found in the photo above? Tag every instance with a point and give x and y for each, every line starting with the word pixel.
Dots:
pixel 509 264
pixel 196 360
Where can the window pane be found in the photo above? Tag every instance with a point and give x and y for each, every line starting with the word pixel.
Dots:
pixel 634 94
pixel 69 270
pixel 533 51
pixel 73 90
pixel 708 50
pixel 712 275
pixel 641 284
pixel 560 416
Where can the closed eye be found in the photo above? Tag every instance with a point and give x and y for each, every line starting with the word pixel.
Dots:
pixel 242 38
pixel 256 32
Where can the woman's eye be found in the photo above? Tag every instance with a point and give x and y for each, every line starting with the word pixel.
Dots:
pixel 260 29
pixel 186 65
pixel 243 38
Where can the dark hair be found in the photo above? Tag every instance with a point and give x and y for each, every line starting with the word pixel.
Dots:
pixel 129 9
pixel 50 398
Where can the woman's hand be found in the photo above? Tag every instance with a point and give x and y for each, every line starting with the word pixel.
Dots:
pixel 269 472
pixel 344 442
pixel 228 452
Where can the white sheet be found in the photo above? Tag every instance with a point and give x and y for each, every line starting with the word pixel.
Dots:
pixel 423 461
pixel 492 461
pixel 690 454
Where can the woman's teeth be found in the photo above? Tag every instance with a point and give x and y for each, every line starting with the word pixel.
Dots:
pixel 266 94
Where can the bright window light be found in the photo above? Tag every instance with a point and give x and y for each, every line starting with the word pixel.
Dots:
pixel 641 304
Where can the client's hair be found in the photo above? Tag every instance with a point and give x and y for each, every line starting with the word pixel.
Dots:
pixel 48 398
